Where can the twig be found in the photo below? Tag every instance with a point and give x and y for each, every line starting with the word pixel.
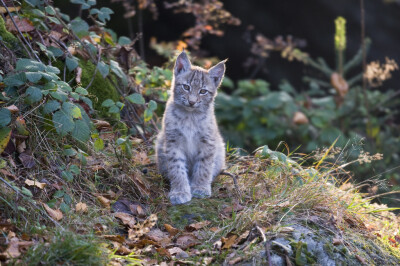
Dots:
pixel 234 178
pixel 268 251
pixel 95 70
pixel 261 233
pixel 20 33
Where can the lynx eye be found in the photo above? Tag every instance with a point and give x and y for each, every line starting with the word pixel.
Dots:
pixel 185 87
pixel 203 91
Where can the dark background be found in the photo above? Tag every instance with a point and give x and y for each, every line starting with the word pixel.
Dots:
pixel 312 20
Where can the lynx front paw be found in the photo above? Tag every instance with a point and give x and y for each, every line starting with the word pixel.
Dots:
pixel 201 192
pixel 179 197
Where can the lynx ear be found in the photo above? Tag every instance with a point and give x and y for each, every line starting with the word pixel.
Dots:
pixel 217 73
pixel 182 64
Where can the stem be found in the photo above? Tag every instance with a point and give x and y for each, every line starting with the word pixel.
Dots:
pixel 364 55
pixel 141 41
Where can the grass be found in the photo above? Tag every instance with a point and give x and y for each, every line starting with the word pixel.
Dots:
pixel 274 191
pixel 67 248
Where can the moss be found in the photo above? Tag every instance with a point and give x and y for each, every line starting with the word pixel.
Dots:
pixel 196 210
pixel 101 88
pixel 8 38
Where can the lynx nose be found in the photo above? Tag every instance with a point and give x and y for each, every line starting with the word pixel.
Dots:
pixel 191 103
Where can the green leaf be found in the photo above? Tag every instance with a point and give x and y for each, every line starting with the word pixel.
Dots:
pixel 75 169
pixel 81 131
pixel 63 122
pixel 64 207
pixel 33 76
pixel 103 68
pixel 29 65
pixel 58 194
pixel 69 152
pixel 50 10
pixel 33 94
pixel 118 71
pixel 53 70
pixel 72 110
pixel 81 91
pixel 67 175
pixel 108 103
pixel 5 117
pixel 59 95
pixel 51 106
pixel 136 98
pixel 87 101
pixel 26 192
pixel 114 109
pixel 103 14
pixel 67 199
pixel 99 144
pixel 124 40
pixel 71 62
pixel 152 105
pixel 15 80
pixel 80 27
pixel 148 114
pixel 57 52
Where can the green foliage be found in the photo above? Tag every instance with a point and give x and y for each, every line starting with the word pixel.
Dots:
pixel 8 38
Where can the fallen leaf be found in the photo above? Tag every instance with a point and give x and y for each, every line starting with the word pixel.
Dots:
pixel 361 259
pixel 3 10
pixel 236 207
pixel 174 250
pixel 171 230
pixel 8 174
pixel 163 252
pixel 137 210
pixel 159 236
pixel 242 237
pixel 12 250
pixel 35 183
pixel 99 124
pixel 21 147
pixel 24 25
pixel 235 260
pixel 104 201
pixel 337 241
pixel 81 207
pixel 126 219
pixel 197 226
pixel 217 245
pixel 141 158
pixel 116 238
pixel 229 241
pixel 27 160
pixel 142 228
pixel 299 118
pixel 186 241
pixel 13 109
pixel 55 214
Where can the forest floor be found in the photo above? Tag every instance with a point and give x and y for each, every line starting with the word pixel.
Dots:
pixel 265 208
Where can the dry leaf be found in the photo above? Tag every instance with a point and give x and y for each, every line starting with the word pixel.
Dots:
pixel 174 250
pixel 171 230
pixel 242 237
pixel 142 228
pixel 99 124
pixel 337 241
pixel 8 174
pixel 116 238
pixel 104 201
pixel 27 160
pixel 217 245
pixel 340 84
pixel 12 250
pixel 229 241
pixel 137 210
pixel 24 25
pixel 235 260
pixel 10 9
pixel 126 219
pixel 186 241
pixel 35 183
pixel 141 158
pixel 159 236
pixel 197 226
pixel 55 214
pixel 81 207
pixel 13 109
pixel 361 259
pixel 300 118
pixel 236 207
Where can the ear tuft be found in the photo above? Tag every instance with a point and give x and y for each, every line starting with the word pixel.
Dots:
pixel 217 72
pixel 182 64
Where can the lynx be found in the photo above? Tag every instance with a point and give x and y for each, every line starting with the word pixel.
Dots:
pixel 189 148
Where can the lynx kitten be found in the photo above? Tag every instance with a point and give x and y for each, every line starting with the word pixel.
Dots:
pixel 190 149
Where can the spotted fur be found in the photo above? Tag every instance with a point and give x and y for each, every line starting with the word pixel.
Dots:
pixel 190 149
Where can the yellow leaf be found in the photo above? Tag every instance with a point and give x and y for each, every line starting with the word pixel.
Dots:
pixel 35 183
pixel 104 201
pixel 81 207
pixel 55 214
pixel 5 135
pixel 10 9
